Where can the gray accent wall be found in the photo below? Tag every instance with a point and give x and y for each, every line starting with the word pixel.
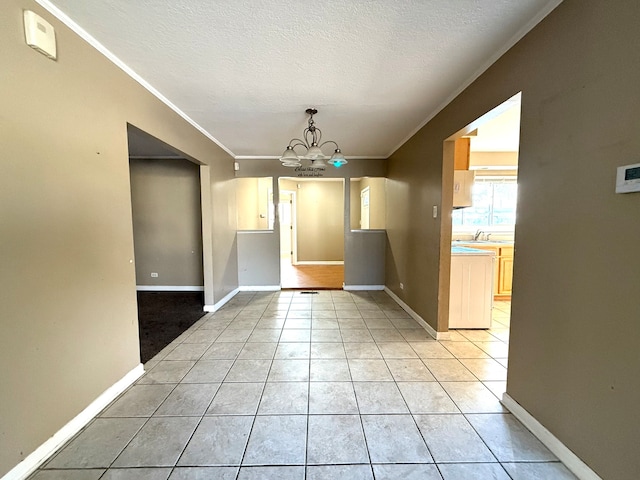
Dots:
pixel 167 222
pixel 573 358
pixel 365 250
pixel 259 259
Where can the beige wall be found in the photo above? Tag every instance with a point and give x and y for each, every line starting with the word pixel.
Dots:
pixel 377 202
pixel 354 210
pixel 68 309
pixel 167 222
pixel 320 219
pixel 253 196
pixel 574 361
pixel 273 168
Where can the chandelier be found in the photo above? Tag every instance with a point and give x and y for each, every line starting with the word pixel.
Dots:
pixel 312 144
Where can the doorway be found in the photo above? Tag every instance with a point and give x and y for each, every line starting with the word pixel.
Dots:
pixel 311 214
pixel 167 229
pixel 486 153
pixel 481 282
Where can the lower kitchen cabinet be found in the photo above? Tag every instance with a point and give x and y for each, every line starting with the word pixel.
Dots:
pixel 503 267
pixel 505 271
pixel 470 293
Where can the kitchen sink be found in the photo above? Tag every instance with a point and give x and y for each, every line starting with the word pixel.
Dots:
pixel 458 242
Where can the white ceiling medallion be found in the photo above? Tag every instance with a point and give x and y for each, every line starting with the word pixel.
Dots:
pixel 312 144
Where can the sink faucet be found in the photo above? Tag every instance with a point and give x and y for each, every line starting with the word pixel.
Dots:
pixel 476 237
pixel 486 237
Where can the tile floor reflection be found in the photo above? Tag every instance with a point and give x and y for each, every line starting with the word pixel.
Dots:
pixel 333 385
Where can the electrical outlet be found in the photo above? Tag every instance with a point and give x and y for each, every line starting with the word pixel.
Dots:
pixel 154 275
pixel 401 286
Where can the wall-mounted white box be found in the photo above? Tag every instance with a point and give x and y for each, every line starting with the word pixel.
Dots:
pixel 39 34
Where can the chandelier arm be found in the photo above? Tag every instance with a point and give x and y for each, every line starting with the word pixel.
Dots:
pixel 310 132
pixel 297 143
pixel 329 141
pixel 312 142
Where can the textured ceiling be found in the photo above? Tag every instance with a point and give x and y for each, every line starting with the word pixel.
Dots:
pixel 244 72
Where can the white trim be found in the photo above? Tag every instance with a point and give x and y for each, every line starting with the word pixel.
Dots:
pixel 319 262
pixel 546 10
pixel 169 288
pixel 277 157
pixel 60 15
pixel 27 466
pixel 158 157
pixel 549 440
pixel 220 304
pixel 418 318
pixel 259 288
pixel 363 287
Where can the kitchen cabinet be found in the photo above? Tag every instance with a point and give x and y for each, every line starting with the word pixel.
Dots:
pixel 503 268
pixel 505 271
pixel 462 184
pixel 461 153
pixel 470 292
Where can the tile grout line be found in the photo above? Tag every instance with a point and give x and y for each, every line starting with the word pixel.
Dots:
pixel 310 342
pixel 255 416
pixel 207 408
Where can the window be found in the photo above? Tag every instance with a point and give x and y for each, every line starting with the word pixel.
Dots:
pixel 494 204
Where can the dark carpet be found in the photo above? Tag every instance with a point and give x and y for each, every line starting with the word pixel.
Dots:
pixel 163 316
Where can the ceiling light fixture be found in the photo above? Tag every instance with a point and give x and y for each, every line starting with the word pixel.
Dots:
pixel 312 144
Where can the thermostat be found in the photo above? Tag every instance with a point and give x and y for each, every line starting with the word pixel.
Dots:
pixel 628 178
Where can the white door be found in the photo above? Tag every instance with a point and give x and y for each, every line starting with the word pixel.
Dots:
pixel 286 215
pixel 364 209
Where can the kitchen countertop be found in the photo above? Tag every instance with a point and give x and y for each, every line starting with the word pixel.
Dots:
pixel 482 243
pixel 469 251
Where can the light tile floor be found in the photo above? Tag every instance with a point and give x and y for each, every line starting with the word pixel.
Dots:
pixel 334 385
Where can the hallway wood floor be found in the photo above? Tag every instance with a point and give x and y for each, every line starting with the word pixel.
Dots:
pixel 311 276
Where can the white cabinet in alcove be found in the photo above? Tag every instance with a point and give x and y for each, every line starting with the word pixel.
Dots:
pixel 471 289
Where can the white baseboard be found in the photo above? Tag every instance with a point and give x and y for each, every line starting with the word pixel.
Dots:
pixel 220 304
pixel 169 288
pixel 363 287
pixel 27 466
pixel 337 262
pixel 418 318
pixel 259 288
pixel 549 440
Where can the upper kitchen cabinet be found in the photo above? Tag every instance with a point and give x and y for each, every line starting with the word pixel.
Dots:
pixel 461 153
pixel 462 185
